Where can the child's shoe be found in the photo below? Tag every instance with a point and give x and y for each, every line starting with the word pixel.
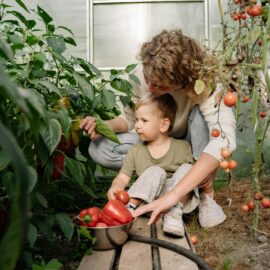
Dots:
pixel 210 213
pixel 172 221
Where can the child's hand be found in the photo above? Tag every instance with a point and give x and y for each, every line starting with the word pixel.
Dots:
pixel 112 192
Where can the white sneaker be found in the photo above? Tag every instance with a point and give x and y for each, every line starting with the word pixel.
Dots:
pixel 172 221
pixel 210 213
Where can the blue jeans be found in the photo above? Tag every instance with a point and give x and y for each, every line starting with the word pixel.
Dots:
pixel 111 155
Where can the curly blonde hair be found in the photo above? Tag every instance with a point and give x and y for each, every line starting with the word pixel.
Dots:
pixel 172 59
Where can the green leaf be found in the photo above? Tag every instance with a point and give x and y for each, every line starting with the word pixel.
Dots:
pixel 31 24
pixel 42 200
pixel 12 241
pixel 15 39
pixel 33 180
pixel 34 101
pixel 130 67
pixel 65 120
pixel 22 5
pixel 121 85
pixel 65 28
pixel 45 224
pixel 74 168
pixel 32 40
pixel 85 86
pixel 51 134
pixel 51 28
pixel 7 52
pixel 108 99
pixel 50 86
pixel 32 235
pixel 53 264
pixel 125 100
pixel 70 40
pixel 9 182
pixel 106 131
pixel 44 15
pixel 19 16
pixel 85 233
pixel 4 160
pixel 56 43
pixel 66 225
pixel 88 67
pixel 134 78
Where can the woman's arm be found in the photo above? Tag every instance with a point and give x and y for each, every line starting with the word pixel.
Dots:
pixel 218 115
pixel 201 169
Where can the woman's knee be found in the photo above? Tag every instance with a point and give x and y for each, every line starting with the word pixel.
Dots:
pixel 101 151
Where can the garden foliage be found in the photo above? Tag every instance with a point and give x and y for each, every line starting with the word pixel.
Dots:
pixel 45 170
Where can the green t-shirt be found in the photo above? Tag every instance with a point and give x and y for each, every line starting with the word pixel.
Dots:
pixel 138 158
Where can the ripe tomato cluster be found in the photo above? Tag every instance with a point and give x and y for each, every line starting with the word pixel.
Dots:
pixel 244 9
pixel 250 205
pixel 227 164
pixel 114 213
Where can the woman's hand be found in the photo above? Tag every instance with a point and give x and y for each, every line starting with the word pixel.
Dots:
pixel 89 125
pixel 158 206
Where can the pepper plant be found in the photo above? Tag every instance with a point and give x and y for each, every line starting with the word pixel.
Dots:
pixel 45 171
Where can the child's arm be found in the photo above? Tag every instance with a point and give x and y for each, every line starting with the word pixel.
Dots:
pixel 119 183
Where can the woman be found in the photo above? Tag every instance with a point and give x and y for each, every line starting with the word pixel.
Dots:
pixel 174 63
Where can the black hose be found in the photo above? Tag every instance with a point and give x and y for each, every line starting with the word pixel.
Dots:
pixel 176 248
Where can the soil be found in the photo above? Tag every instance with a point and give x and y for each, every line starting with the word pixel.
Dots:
pixel 234 244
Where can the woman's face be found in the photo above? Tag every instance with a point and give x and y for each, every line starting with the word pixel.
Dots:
pixel 158 89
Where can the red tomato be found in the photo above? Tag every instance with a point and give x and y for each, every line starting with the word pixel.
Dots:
pixel 265 202
pixel 224 164
pixel 243 16
pixel 245 99
pixel 225 153
pixel 230 99
pixel 258 196
pixel 194 239
pixel 245 208
pixel 101 225
pixel 256 10
pixel 251 205
pixel 122 196
pixel 236 16
pixel 262 114
pixel 215 133
pixel 232 164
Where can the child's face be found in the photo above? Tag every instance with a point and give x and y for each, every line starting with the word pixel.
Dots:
pixel 149 123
